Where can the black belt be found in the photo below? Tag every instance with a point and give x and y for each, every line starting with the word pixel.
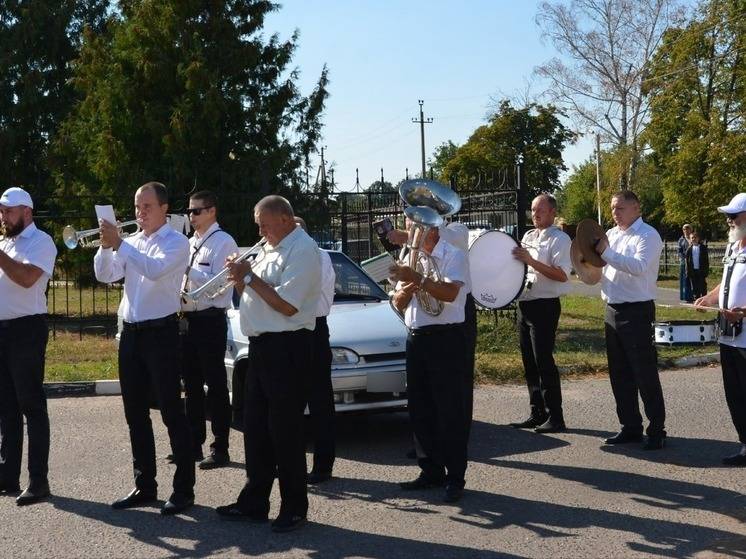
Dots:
pixel 320 320
pixel 13 321
pixel 619 306
pixel 434 329
pixel 212 311
pixel 150 324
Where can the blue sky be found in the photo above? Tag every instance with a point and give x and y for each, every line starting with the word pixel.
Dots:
pixel 459 57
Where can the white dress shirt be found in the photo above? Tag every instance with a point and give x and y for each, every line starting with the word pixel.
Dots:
pixel 550 246
pixel 212 249
pixel 453 265
pixel 35 247
pixel 695 257
pixel 328 278
pixel 293 268
pixel 457 234
pixel 736 259
pixel 632 260
pixel 153 270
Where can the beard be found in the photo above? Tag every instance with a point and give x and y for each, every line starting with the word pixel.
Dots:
pixel 13 229
pixel 736 233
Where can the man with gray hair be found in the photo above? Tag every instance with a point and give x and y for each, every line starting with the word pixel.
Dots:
pixel 26 263
pixel 279 295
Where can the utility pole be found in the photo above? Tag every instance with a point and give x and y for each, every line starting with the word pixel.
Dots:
pixel 598 175
pixel 323 168
pixel 331 185
pixel 422 122
pixel 357 181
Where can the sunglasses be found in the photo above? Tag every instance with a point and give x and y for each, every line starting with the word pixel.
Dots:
pixel 733 217
pixel 197 211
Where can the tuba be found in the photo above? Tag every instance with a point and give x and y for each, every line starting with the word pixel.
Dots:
pixel 429 203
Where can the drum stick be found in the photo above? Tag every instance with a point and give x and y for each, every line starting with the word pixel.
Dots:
pixel 688 306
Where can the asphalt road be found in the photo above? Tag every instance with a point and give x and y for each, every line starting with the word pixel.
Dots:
pixel 528 495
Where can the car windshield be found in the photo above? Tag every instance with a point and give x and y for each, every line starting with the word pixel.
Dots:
pixel 352 283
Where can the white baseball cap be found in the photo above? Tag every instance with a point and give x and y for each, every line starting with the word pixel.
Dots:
pixel 736 205
pixel 16 197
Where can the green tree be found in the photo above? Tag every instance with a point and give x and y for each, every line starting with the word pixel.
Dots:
pixel 441 156
pixel 38 40
pixel 193 94
pixel 697 128
pixel 534 135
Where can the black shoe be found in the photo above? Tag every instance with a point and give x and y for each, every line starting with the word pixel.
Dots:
pixel 551 426
pixel 178 502
pixel 35 493
pixel 288 523
pixel 8 488
pixel 529 423
pixel 738 460
pixel 655 442
pixel 215 460
pixel 234 513
pixel 135 498
pixel 624 437
pixel 421 482
pixel 318 477
pixel 453 493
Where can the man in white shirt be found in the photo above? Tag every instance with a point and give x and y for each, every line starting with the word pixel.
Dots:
pixel 436 365
pixel 320 390
pixel 26 263
pixel 730 294
pixel 205 339
pixel 546 251
pixel 152 263
pixel 628 286
pixel 280 292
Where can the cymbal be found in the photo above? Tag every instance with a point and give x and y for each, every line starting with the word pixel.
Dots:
pixel 587 235
pixel 587 272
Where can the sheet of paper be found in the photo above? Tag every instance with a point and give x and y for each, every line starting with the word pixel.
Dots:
pixel 106 213
pixel 378 266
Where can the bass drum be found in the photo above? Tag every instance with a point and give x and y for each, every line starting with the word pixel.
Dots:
pixel 497 278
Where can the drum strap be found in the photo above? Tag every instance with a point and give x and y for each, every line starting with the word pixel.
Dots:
pixel 732 329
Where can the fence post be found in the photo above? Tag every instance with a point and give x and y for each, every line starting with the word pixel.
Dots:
pixel 343 222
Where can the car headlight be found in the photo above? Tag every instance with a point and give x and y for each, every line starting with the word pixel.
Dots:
pixel 343 356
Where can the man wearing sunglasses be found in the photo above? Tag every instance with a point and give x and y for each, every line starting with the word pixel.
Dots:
pixel 730 294
pixel 206 332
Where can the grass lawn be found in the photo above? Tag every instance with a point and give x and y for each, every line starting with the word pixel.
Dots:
pixel 713 278
pixel 69 300
pixel 580 346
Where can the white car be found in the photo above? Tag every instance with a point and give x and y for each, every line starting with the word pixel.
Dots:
pixel 367 338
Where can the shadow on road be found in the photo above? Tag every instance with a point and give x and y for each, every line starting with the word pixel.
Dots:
pixel 205 534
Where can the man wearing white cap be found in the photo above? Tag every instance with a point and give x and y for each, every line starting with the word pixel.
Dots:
pixel 26 263
pixel 730 294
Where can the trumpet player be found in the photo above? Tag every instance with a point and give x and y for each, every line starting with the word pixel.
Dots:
pixel 280 293
pixel 436 367
pixel 152 263
pixel 205 332
pixel 26 263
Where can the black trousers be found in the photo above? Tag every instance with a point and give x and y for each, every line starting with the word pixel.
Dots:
pixel 537 322
pixel 470 329
pixel 633 366
pixel 437 408
pixel 698 280
pixel 733 362
pixel 149 360
pixel 274 402
pixel 321 399
pixel 23 345
pixel 204 353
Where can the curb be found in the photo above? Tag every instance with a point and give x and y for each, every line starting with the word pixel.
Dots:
pixel 84 388
pixel 696 360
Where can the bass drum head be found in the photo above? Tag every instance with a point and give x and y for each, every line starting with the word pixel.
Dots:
pixel 496 277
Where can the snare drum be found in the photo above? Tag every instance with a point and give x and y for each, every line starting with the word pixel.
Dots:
pixel 686 332
pixel 496 277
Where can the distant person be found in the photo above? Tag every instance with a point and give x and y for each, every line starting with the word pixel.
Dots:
pixel 730 294
pixel 685 288
pixel 546 252
pixel 697 265
pixel 26 263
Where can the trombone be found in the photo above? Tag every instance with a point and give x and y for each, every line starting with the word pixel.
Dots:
pixel 219 283
pixel 73 238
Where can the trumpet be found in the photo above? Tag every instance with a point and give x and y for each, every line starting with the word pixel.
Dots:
pixel 73 238
pixel 219 283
